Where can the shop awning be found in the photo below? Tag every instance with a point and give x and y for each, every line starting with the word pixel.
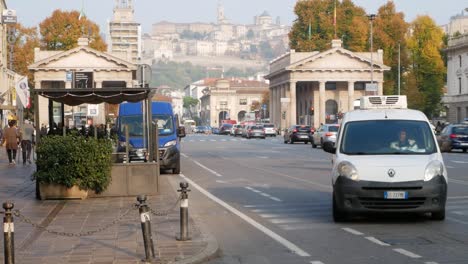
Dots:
pixel 79 96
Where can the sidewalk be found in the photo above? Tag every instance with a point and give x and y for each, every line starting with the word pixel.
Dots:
pixel 120 243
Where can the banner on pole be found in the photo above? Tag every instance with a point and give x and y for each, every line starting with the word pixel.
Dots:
pixel 22 91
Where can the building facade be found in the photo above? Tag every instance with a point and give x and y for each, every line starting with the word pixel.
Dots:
pixel 230 99
pixel 124 38
pixel 328 82
pixel 456 99
pixel 81 67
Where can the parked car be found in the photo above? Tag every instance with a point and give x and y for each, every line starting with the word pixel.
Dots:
pixel 199 129
pixel 215 130
pixel 325 133
pixel 225 129
pixel 297 133
pixel 270 130
pixel 255 132
pixel 233 130
pixel 238 131
pixel 453 136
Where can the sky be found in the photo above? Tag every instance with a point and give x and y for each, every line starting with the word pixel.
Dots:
pixel 147 12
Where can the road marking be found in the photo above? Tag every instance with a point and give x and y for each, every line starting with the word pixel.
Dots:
pixel 459 162
pixel 459 213
pixel 459 182
pixel 184 155
pixel 406 253
pixel 450 167
pixel 458 221
pixel 218 181
pixel 316 262
pixel 249 220
pixel 352 231
pixel 208 169
pixel 431 262
pixel 457 197
pixel 378 242
pixel 276 199
pixel 202 140
pixel 263 194
pixel 262 157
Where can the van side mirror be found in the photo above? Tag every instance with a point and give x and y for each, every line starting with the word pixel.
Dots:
pixel 181 132
pixel 329 147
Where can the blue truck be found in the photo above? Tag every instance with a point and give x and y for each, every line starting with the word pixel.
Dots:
pixel 131 115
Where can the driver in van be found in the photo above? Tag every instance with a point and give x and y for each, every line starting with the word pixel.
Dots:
pixel 404 143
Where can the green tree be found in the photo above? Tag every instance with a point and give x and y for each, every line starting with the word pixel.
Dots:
pixel 313 29
pixel 190 102
pixel 390 30
pixel 427 66
pixel 62 30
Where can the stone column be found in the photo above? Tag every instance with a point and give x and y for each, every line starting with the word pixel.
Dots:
pixel 350 96
pixel 321 110
pixel 98 84
pixel 68 85
pixel 292 104
pixel 380 88
pixel 270 106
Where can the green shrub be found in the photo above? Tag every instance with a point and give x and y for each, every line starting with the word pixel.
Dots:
pixel 74 160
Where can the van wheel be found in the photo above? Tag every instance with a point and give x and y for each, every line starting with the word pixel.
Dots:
pixel 438 216
pixel 338 215
pixel 176 170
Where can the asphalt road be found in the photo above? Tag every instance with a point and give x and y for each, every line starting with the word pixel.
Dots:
pixel 269 202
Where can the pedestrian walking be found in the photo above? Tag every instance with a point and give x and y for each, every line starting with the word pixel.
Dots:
pixel 27 138
pixel 11 137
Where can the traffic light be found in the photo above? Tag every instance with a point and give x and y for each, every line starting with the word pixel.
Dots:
pixel 311 110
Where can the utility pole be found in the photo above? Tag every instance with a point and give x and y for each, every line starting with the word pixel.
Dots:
pixel 399 67
pixel 371 19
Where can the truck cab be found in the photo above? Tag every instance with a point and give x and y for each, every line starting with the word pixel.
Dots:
pixel 131 115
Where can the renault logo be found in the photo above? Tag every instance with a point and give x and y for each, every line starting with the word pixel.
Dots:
pixel 391 173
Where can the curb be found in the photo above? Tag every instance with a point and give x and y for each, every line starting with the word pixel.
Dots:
pixel 211 251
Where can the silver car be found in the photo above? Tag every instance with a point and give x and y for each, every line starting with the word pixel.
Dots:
pixel 270 130
pixel 325 133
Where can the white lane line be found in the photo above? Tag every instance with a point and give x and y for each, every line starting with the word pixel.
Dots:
pixel 288 221
pixel 459 182
pixel 202 140
pixel 184 155
pixel 289 245
pixel 208 169
pixel 456 220
pixel 457 197
pixel 316 262
pixel 213 140
pixel 431 262
pixel 218 181
pixel 223 140
pixel 378 242
pixel 262 157
pixel 406 253
pixel 450 167
pixel 276 199
pixel 352 231
pixel 459 162
pixel 459 213
pixel 263 194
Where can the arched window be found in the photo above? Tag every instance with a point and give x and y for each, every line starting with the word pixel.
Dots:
pixel 241 116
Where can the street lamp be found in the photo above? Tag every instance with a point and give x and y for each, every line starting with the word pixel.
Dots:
pixel 371 20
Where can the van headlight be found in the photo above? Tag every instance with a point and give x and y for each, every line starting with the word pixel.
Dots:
pixel 170 143
pixel 348 170
pixel 433 169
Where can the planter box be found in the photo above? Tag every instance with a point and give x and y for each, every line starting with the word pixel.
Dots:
pixel 132 179
pixel 59 192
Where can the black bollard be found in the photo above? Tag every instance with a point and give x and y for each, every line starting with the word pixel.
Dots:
pixel 146 228
pixel 8 233
pixel 184 230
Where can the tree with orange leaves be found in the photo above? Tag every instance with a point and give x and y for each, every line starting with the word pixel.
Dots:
pixel 62 29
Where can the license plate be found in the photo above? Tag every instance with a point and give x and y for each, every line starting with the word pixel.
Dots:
pixel 304 137
pixel 396 195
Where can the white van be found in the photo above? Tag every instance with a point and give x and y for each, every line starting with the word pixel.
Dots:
pixel 386 159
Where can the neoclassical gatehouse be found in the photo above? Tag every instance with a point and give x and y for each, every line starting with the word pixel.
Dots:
pixel 328 82
pixel 81 67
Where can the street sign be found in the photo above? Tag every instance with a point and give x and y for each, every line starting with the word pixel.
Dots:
pixel 69 76
pixel 144 74
pixel 84 80
pixel 264 107
pixel 9 16
pixel 371 87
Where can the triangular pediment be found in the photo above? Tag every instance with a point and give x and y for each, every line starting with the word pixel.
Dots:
pixel 83 58
pixel 337 59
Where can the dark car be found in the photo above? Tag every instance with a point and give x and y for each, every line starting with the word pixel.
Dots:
pixel 225 129
pixel 453 137
pixel 297 133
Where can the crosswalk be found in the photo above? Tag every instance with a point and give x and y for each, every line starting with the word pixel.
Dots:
pixel 303 216
pixel 226 139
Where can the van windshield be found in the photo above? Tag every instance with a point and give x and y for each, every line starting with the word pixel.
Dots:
pixel 387 137
pixel 135 125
